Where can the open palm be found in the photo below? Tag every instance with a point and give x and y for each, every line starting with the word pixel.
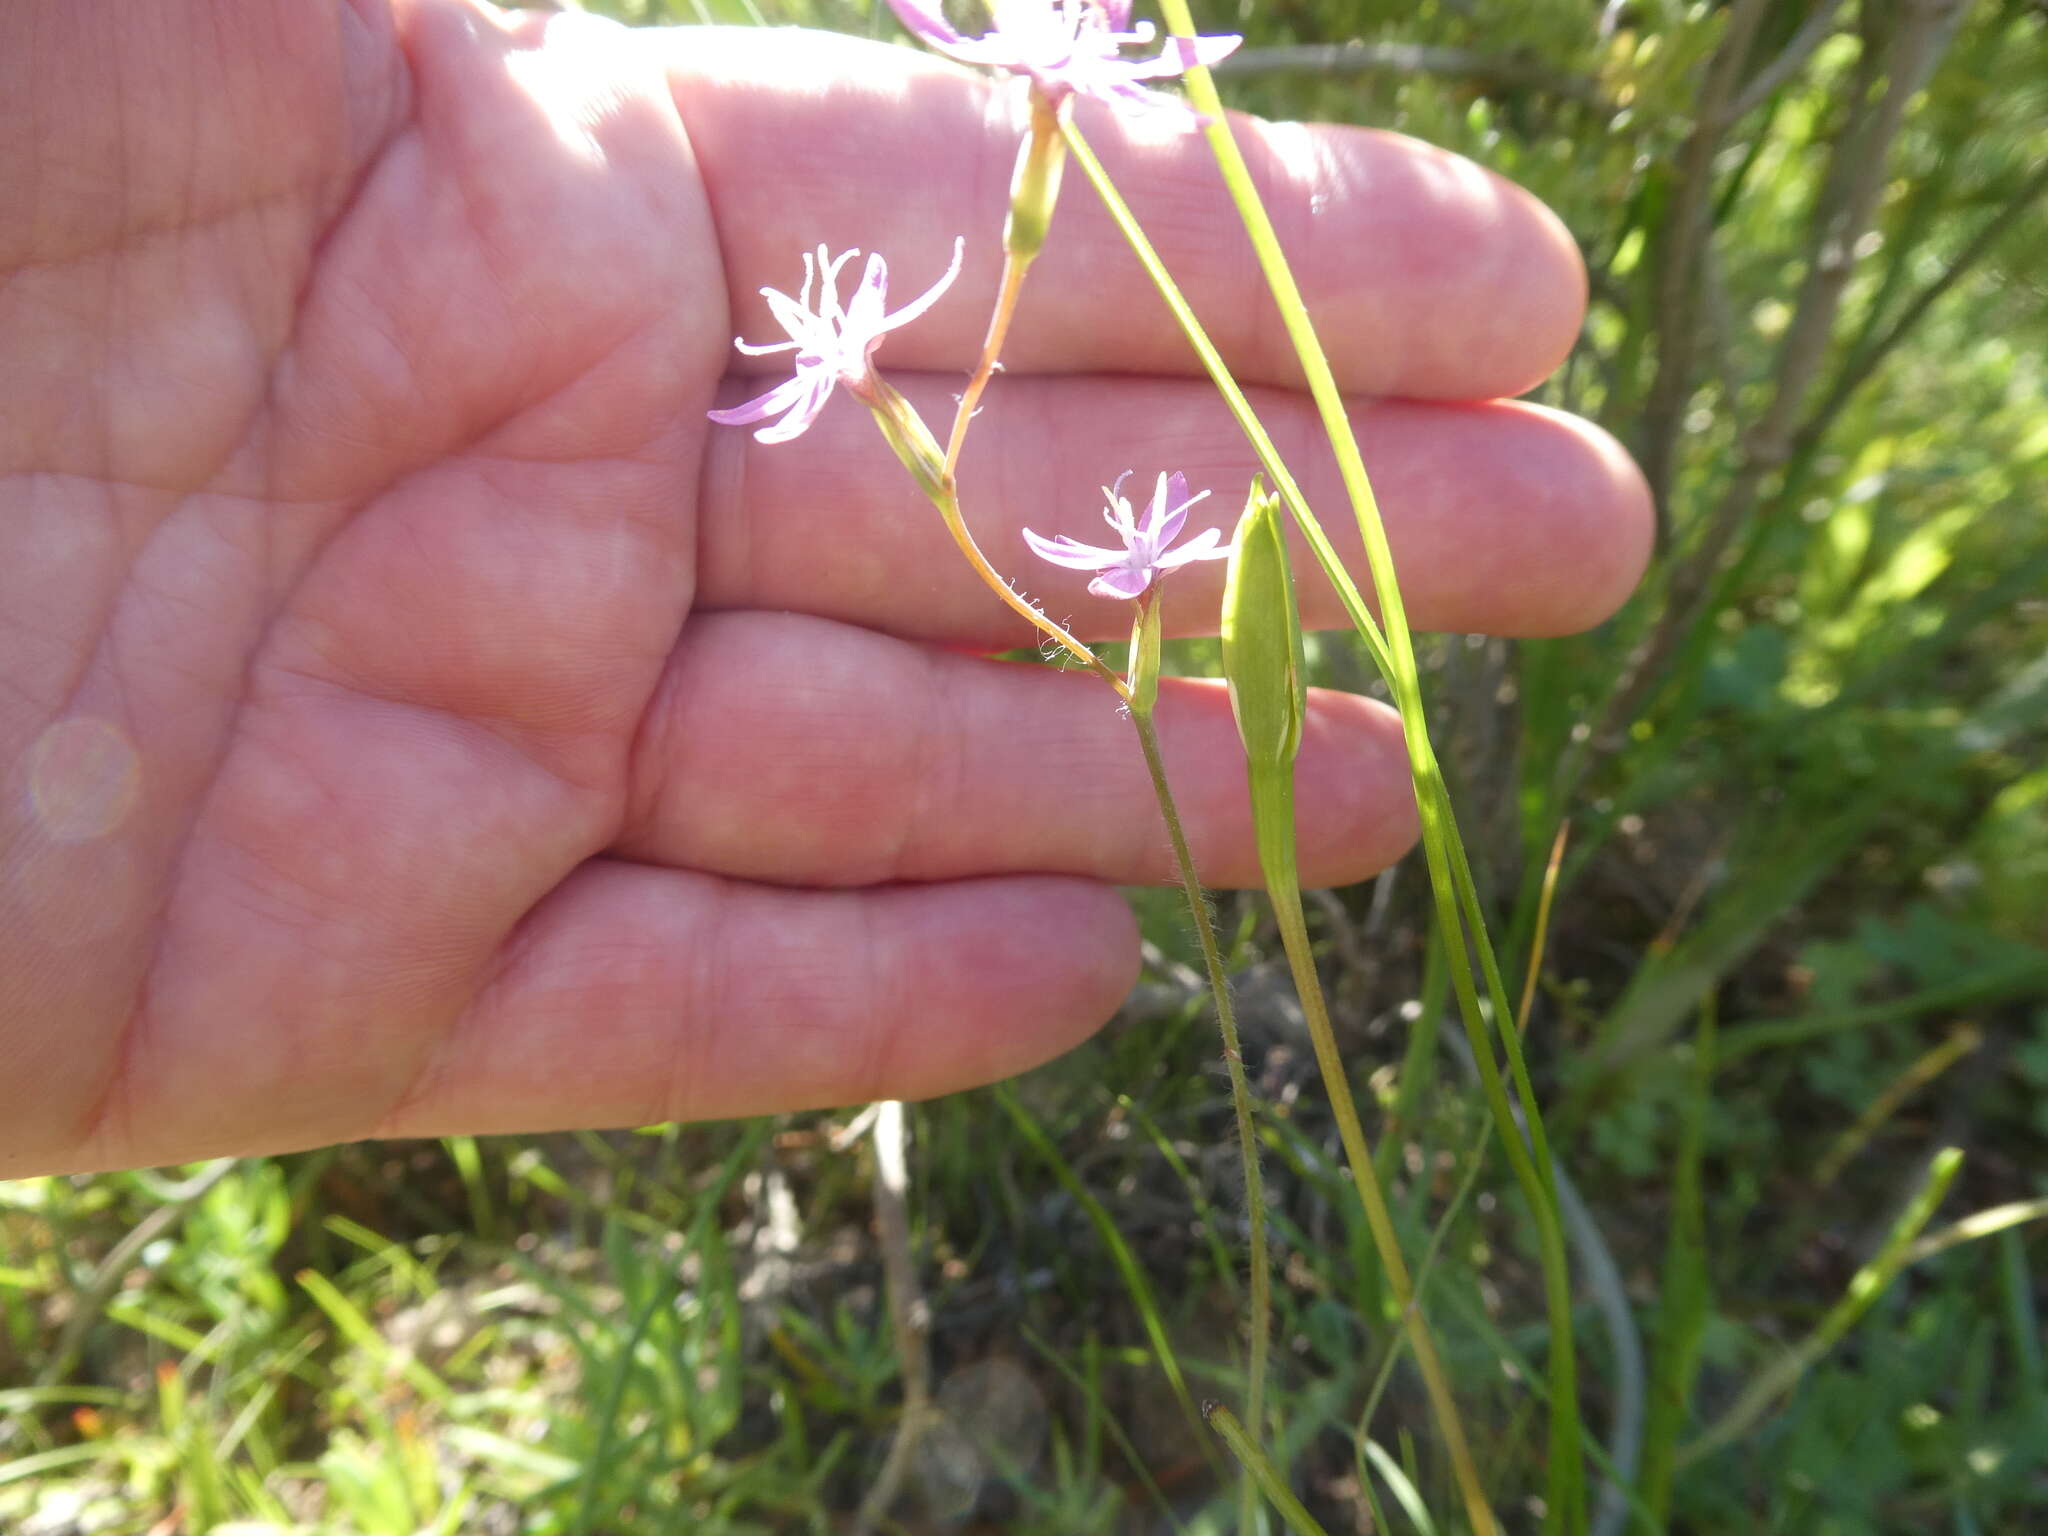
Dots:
pixel 416 717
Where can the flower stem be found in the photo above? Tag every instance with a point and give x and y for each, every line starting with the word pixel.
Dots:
pixel 1034 193
pixel 1272 792
pixel 914 445
pixel 1318 542
pixel 948 504
pixel 1255 1461
pixel 1233 1060
pixel 1450 877
pixel 991 348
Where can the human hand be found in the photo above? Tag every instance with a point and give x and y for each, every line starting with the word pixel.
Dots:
pixel 417 718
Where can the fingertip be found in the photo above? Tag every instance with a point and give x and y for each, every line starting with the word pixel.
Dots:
pixel 1619 519
pixel 1557 283
pixel 1587 525
pixel 1066 950
pixel 1459 285
pixel 1508 517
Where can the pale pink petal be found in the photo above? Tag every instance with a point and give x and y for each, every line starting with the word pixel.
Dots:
pixel 1072 554
pixel 864 316
pixel 818 389
pixel 777 400
pixel 930 296
pixel 797 321
pixel 1206 545
pixel 1182 54
pixel 1123 581
pixel 1173 495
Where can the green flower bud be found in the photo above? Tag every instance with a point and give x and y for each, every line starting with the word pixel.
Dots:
pixel 1262 657
pixel 1035 184
pixel 907 434
pixel 1144 670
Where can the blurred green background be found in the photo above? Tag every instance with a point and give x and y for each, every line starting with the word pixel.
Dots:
pixel 1797 948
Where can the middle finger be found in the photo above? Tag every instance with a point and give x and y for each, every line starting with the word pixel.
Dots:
pixel 796 751
pixel 1505 518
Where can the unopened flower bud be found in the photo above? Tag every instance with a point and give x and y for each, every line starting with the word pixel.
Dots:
pixel 1144 669
pixel 907 434
pixel 1035 184
pixel 1262 655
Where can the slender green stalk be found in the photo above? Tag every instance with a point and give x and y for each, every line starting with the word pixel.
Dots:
pixel 1273 819
pixel 1870 1282
pixel 1450 878
pixel 991 350
pixel 1242 1446
pixel 1240 1090
pixel 1034 192
pixel 919 453
pixel 1233 396
pixel 1434 985
pixel 936 475
pixel 1126 1262
pixel 1264 666
pixel 1684 1296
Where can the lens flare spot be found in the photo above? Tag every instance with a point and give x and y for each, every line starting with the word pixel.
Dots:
pixel 84 777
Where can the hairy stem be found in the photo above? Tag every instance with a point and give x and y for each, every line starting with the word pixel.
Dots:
pixel 1233 1060
pixel 1273 816
pixel 1450 874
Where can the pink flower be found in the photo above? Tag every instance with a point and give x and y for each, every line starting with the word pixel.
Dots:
pixel 1128 571
pixel 1067 47
pixel 833 345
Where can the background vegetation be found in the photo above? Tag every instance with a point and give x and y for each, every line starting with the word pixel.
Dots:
pixel 1798 947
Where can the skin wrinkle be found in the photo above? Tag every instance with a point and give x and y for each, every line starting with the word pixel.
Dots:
pixel 722 495
pixel 721 230
pixel 876 1070
pixel 707 1006
pixel 189 214
pixel 130 1037
pixel 135 1031
pixel 933 774
pixel 109 1117
pixel 861 742
pixel 77 670
pixel 418 1085
pixel 651 741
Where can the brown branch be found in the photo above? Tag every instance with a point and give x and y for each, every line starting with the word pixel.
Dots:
pixel 1861 367
pixel 1688 228
pixel 909 1316
pixel 1810 36
pixel 1844 212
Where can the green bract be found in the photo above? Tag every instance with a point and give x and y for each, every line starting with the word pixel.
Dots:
pixel 1035 185
pixel 1262 658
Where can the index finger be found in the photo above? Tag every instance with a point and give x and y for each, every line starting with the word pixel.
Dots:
pixel 1426 275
